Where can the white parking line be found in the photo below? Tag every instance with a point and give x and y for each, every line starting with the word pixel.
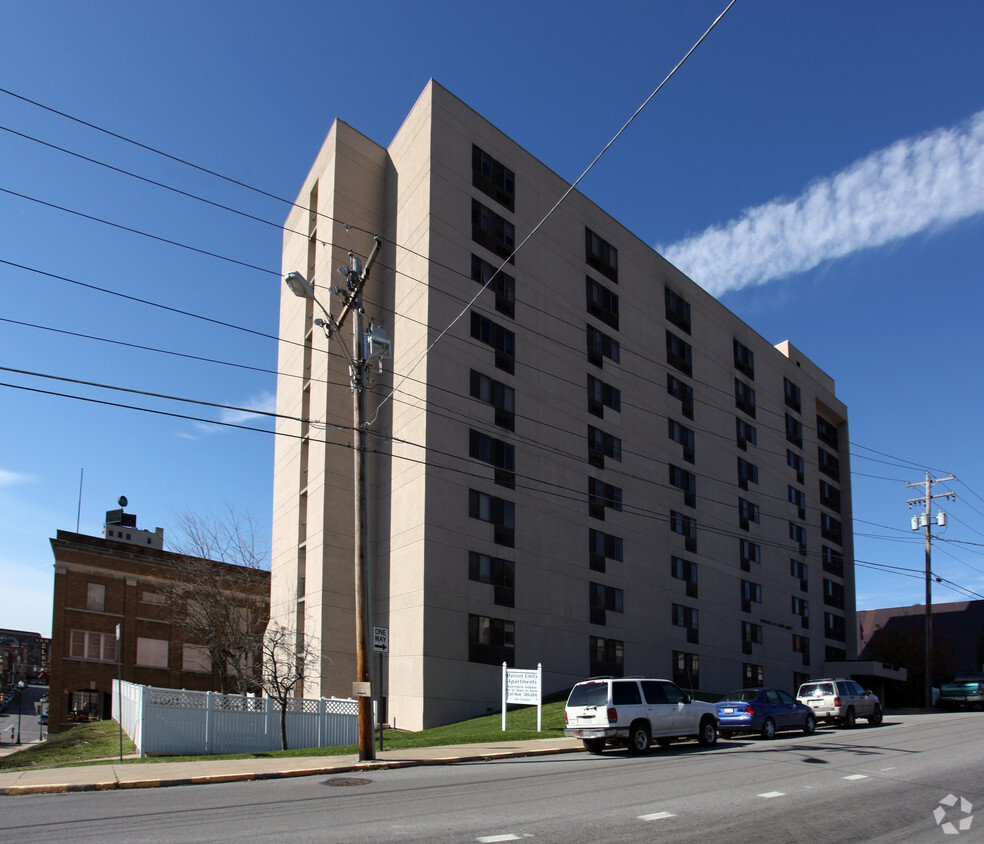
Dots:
pixel 770 794
pixel 492 839
pixel 656 816
pixel 857 777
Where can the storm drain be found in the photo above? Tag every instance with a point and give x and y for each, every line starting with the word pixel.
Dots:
pixel 341 781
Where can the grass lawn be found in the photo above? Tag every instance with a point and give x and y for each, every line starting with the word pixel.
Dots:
pixel 98 742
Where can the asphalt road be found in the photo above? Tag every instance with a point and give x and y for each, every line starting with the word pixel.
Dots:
pixel 29 727
pixel 868 784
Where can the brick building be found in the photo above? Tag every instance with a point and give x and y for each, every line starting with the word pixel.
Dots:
pixel 126 581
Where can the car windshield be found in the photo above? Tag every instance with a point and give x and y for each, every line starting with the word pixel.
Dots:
pixel 742 695
pixel 589 694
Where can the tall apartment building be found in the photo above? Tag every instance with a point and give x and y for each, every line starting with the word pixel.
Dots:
pixel 593 466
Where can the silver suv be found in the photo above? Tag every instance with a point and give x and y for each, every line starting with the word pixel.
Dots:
pixel 632 712
pixel 838 701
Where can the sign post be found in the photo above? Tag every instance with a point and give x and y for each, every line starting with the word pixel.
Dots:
pixel 520 686
pixel 380 645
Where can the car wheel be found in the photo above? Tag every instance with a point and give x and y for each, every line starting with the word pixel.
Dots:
pixel 708 736
pixel 594 745
pixel 809 725
pixel 639 738
pixel 876 717
pixel 769 729
pixel 664 742
pixel 850 719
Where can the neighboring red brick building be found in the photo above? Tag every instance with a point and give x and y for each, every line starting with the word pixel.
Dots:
pixel 102 583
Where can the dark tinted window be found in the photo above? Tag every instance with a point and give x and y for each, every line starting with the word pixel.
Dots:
pixel 589 694
pixel 653 691
pixel 626 693
pixel 785 697
pixel 673 693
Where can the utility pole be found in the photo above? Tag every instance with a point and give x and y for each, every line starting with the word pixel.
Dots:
pixel 368 347
pixel 925 520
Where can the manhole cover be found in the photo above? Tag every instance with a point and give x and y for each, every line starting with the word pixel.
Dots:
pixel 339 781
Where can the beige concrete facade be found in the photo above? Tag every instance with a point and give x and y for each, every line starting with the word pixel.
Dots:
pixel 458 593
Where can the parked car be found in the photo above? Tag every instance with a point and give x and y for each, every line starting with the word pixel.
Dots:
pixel 840 701
pixel 43 718
pixel 966 690
pixel 764 711
pixel 632 712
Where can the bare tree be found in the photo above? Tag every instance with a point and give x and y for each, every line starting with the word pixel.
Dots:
pixel 287 655
pixel 220 596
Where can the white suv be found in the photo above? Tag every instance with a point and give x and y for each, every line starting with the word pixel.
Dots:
pixel 840 702
pixel 632 712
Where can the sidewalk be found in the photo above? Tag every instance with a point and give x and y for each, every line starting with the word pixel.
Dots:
pixel 159 774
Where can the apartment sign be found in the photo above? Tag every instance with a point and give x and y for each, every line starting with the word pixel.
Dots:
pixel 524 687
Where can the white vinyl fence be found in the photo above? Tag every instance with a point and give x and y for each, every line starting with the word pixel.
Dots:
pixel 173 721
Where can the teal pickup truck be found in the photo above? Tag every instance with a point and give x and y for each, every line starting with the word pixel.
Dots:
pixel 966 690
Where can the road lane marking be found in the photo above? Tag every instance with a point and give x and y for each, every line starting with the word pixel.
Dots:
pixel 857 777
pixel 492 839
pixel 657 816
pixel 768 795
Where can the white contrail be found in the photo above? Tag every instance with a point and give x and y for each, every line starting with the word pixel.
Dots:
pixel 916 184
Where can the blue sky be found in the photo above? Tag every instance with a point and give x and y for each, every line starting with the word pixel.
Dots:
pixel 819 167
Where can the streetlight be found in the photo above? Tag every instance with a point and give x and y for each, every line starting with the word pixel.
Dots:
pixel 20 703
pixel 367 348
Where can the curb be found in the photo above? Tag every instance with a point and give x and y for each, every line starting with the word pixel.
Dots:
pixel 257 776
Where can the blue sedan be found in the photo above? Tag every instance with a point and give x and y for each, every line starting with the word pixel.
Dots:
pixel 763 711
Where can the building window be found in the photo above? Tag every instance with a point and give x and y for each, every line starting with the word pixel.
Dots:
pixel 602 445
pixel 686 527
pixel 744 359
pixel 498 512
pixel 830 528
pixel 91 646
pixel 751 634
pixel 833 626
pixel 601 346
pixel 602 395
pixel 792 394
pixel 497 394
pixel 95 597
pixel 800 570
pixel 687 618
pixel 606 657
pixel 748 473
pixel 603 546
pixel 500 283
pixel 830 496
pixel 602 303
pixel 829 464
pixel 684 436
pixel 827 432
pixel 749 552
pixel 794 431
pixel 499 338
pixel 493 232
pixel 801 645
pixel 493 178
pixel 833 561
pixel 499 573
pixel 601 255
pixel 798 498
pixel 196 658
pixel 801 608
pixel 602 495
pixel 751 593
pixel 156 598
pixel 833 594
pixel 491 640
pixel 745 433
pixel 152 653
pixel 677 310
pixel 747 512
pixel 796 463
pixel 496 452
pixel 679 353
pixel 687 481
pixel 744 397
pixel 676 388
pixel 602 600
pixel 798 534
pixel 686 670
pixel 752 675
pixel 686 571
